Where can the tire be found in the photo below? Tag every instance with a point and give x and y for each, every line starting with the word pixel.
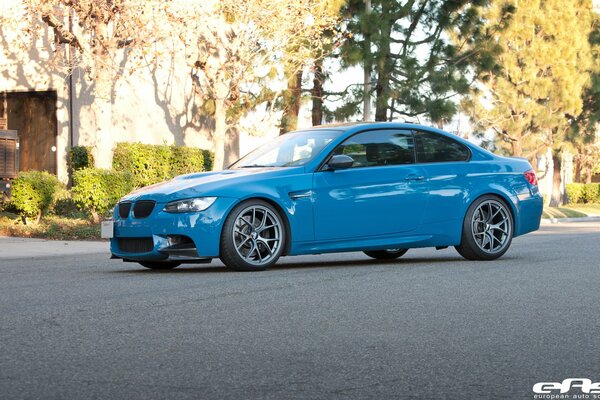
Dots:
pixel 390 254
pixel 253 236
pixel 485 238
pixel 164 265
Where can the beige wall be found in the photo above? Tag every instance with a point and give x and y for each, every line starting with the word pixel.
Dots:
pixel 24 72
pixel 151 105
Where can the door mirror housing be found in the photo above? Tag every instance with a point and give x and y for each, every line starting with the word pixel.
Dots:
pixel 339 161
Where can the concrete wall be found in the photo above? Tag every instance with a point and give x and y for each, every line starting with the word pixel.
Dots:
pixel 154 104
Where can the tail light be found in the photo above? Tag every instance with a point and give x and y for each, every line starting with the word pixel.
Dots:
pixel 531 178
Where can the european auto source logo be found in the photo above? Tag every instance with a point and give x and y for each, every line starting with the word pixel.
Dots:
pixel 572 388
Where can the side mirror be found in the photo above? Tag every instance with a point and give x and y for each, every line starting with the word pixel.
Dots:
pixel 339 161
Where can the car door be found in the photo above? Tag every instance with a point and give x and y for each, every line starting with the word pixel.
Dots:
pixel 445 162
pixel 382 193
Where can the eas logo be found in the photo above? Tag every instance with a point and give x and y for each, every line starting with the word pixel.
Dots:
pixel 585 385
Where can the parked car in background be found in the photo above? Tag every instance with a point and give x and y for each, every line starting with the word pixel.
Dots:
pixel 381 188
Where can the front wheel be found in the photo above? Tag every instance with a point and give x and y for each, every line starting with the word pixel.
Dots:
pixel 389 254
pixel 253 236
pixel 487 229
pixel 164 265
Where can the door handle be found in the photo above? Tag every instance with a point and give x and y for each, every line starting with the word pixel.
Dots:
pixel 414 177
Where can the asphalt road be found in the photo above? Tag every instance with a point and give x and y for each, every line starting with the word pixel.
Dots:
pixel 430 326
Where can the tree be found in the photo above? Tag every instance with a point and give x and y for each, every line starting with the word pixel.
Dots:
pixel 546 59
pixel 417 66
pixel 103 38
pixel 584 127
pixel 235 48
pixel 291 98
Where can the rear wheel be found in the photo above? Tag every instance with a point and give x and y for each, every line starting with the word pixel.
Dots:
pixel 159 264
pixel 389 254
pixel 253 236
pixel 487 229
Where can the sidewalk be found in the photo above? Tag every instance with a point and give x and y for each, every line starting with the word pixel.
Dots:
pixel 13 247
pixel 546 221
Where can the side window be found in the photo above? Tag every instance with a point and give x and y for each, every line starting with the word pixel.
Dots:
pixel 432 147
pixel 377 148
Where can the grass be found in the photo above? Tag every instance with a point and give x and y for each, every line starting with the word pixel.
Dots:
pixel 50 227
pixel 589 209
pixel 562 212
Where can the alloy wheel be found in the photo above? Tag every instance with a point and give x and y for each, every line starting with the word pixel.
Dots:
pixel 491 226
pixel 257 234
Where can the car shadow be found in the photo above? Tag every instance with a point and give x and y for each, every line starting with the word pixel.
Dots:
pixel 284 265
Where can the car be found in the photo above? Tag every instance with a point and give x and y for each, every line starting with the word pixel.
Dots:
pixel 380 188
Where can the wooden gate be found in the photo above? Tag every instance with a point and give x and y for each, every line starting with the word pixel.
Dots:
pixel 33 116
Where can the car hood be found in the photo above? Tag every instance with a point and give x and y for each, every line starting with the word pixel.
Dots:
pixel 216 183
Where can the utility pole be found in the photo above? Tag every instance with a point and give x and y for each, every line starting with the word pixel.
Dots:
pixel 367 70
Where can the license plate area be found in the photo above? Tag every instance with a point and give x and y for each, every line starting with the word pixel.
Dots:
pixel 107 229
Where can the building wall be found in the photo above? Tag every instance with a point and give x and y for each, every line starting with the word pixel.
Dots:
pixel 154 104
pixel 27 71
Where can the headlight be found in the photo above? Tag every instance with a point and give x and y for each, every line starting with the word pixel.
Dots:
pixel 190 205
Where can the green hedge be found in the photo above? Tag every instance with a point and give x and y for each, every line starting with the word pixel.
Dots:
pixel 149 164
pixel 583 193
pixel 186 160
pixel 146 163
pixel 209 158
pixel 33 193
pixel 80 157
pixel 98 190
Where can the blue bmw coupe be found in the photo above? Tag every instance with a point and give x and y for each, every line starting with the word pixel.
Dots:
pixel 380 188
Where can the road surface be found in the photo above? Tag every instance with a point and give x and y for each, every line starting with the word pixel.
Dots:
pixel 340 326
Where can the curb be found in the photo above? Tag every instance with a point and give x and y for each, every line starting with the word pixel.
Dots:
pixel 559 220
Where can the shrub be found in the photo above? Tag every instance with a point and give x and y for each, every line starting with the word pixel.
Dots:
pixel 97 190
pixel 209 158
pixel 80 157
pixel 185 160
pixel 33 193
pixel 146 163
pixel 63 205
pixel 149 164
pixel 583 193
pixel 575 192
pixel 591 193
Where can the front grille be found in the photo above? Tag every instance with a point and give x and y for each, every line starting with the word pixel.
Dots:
pixel 143 208
pixel 124 209
pixel 136 245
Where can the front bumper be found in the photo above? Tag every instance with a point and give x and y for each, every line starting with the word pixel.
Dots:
pixel 153 233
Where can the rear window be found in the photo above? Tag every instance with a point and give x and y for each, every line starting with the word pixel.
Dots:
pixel 432 148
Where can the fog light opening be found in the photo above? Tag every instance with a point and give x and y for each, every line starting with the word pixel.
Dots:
pixel 177 240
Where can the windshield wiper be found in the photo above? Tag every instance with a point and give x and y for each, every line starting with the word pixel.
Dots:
pixel 255 166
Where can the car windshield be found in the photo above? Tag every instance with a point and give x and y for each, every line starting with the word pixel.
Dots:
pixel 288 150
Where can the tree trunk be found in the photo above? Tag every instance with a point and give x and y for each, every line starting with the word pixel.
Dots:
pixel 588 173
pixel 317 94
pixel 578 168
pixel 232 146
pixel 516 149
pixel 557 196
pixel 102 108
pixel 291 103
pixel 384 67
pixel 219 134
pixel 95 216
pixel 381 102
pixel 103 141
